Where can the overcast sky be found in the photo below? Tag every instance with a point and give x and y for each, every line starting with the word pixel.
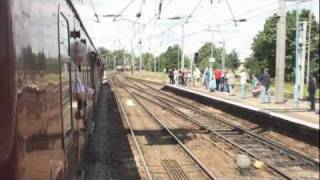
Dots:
pixel 158 34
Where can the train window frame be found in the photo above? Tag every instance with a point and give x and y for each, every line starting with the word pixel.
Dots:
pixel 69 63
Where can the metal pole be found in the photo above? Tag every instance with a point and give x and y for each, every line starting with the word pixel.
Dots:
pixel 124 63
pixel 178 57
pixel 140 61
pixel 309 44
pixel 149 58
pixel 297 68
pixel 223 56
pixel 280 52
pixel 132 57
pixel 114 62
pixel 212 44
pixel 159 64
pixel 155 64
pixel 182 50
pixel 303 36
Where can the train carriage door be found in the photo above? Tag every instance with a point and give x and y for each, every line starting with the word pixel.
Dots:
pixel 65 70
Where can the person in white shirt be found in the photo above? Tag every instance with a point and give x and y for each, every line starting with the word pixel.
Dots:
pixel 196 75
pixel 176 76
pixel 231 82
pixel 243 83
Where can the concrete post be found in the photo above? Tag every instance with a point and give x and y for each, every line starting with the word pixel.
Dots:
pixel 309 44
pixel 114 62
pixel 182 48
pixel 140 59
pixel 297 68
pixel 280 52
pixel 223 63
pixel 302 55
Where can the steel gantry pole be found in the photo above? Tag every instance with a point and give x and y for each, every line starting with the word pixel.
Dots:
pixel 178 57
pixel 114 62
pixel 280 52
pixel 140 59
pixel 182 48
pixel 309 43
pixel 223 64
pixel 297 68
pixel 212 36
pixel 132 57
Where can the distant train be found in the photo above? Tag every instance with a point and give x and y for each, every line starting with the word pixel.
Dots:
pixel 123 68
pixel 40 118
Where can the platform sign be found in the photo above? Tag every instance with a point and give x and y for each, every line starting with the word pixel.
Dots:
pixel 212 60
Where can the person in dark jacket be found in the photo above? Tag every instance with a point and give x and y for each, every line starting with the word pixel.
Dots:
pixel 265 82
pixel 312 85
pixel 171 76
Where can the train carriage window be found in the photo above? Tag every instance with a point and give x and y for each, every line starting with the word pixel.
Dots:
pixel 65 74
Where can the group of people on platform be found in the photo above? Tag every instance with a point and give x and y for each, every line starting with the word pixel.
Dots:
pixel 184 77
pixel 225 81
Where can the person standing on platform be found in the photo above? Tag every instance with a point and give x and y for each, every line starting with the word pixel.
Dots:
pixel 183 77
pixel 231 82
pixel 196 75
pixel 176 76
pixel 312 85
pixel 171 76
pixel 265 82
pixel 243 83
pixel 225 81
pixel 222 78
pixel 254 81
pixel 212 81
pixel 206 78
pixel 217 74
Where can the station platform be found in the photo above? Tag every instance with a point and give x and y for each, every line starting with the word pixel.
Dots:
pixel 297 125
pixel 285 111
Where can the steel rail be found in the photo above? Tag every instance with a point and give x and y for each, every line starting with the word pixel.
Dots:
pixel 197 109
pixel 185 148
pixel 173 109
pixel 125 117
pixel 280 148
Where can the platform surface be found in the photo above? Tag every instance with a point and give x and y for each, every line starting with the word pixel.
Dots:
pixel 285 111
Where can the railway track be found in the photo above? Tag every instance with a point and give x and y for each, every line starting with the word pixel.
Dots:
pixel 281 160
pixel 171 166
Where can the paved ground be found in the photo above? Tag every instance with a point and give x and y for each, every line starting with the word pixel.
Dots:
pixel 288 108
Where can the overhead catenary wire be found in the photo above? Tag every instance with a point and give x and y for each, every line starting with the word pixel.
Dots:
pixel 124 9
pixel 94 11
pixel 227 23
pixel 187 17
pixel 231 12
pixel 242 14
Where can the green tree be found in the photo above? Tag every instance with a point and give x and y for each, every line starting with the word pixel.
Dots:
pixel 105 55
pixel 264 45
pixel 231 60
pixel 169 59
pixel 147 61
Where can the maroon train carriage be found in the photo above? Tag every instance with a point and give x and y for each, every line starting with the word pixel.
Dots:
pixel 41 113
